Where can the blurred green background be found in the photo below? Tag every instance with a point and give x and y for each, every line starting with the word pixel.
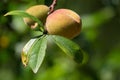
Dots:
pixel 100 38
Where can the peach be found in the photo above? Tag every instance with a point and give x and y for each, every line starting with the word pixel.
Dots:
pixel 39 11
pixel 63 22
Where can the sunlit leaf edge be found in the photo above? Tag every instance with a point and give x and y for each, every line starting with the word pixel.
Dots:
pixel 26 48
pixel 35 60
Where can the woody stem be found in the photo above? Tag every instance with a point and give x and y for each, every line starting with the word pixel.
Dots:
pixel 52 6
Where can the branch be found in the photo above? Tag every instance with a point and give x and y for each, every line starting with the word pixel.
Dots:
pixel 52 6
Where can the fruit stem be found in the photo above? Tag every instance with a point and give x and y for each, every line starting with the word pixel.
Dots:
pixel 52 6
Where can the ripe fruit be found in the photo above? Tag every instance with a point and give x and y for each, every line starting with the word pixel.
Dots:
pixel 63 22
pixel 39 11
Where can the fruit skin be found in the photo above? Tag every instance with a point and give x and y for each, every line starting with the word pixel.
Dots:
pixel 63 22
pixel 39 11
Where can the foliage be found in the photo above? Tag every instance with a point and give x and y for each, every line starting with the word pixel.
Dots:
pixel 34 51
pixel 99 39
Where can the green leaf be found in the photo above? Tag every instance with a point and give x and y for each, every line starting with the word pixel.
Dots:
pixel 37 53
pixel 25 14
pixel 70 48
pixel 24 55
pixel 36 34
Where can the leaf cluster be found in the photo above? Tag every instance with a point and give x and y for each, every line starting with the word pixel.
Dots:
pixel 34 51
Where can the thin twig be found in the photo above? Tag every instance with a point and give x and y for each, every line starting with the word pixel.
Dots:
pixel 52 6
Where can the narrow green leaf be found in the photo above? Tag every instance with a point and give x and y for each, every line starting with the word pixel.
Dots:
pixel 36 34
pixel 37 53
pixel 25 14
pixel 70 48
